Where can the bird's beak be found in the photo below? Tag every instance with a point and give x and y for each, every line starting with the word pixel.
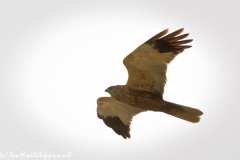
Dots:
pixel 106 90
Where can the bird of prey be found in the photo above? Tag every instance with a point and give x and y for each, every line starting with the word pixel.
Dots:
pixel 147 67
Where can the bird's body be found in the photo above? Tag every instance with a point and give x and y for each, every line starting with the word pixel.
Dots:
pixel 138 98
pixel 147 66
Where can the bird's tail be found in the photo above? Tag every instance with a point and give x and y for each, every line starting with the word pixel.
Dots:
pixel 183 112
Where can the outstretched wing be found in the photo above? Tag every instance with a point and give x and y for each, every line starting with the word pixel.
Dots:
pixel 116 115
pixel 147 65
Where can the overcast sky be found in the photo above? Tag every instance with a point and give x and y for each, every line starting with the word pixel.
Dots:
pixel 57 57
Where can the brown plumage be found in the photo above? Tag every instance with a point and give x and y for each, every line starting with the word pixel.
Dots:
pixel 147 66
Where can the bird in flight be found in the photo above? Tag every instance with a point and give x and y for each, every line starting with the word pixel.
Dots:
pixel 147 67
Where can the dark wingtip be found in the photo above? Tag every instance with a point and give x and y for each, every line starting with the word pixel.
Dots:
pixel 117 125
pixel 160 35
pixel 174 39
pixel 157 36
pixel 170 43
pixel 173 34
pixel 181 42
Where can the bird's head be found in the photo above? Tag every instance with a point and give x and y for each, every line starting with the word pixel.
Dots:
pixel 113 90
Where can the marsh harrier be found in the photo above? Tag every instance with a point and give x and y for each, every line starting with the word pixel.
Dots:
pixel 147 66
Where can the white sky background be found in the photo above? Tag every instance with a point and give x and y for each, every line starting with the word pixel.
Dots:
pixel 58 57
